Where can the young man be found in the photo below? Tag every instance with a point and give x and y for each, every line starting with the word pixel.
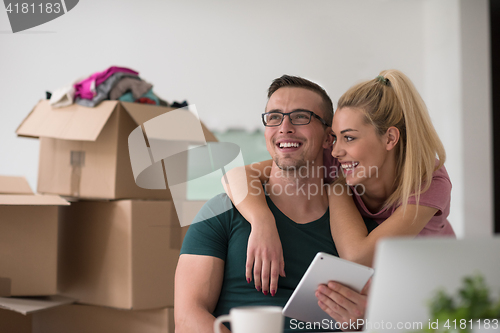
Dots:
pixel 210 276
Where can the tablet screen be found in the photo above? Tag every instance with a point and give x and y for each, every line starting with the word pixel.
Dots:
pixel 303 304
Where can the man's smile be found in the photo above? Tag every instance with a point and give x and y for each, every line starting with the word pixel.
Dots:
pixel 288 145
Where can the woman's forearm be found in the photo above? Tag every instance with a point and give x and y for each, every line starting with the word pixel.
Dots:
pixel 349 230
pixel 265 261
pixel 244 187
pixel 351 236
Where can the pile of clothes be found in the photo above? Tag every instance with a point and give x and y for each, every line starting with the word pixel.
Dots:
pixel 115 83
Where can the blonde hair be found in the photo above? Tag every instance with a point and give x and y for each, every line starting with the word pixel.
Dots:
pixel 392 100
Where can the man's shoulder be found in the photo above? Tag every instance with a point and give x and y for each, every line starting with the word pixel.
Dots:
pixel 210 230
pixel 215 207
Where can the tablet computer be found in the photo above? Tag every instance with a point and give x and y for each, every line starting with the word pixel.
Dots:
pixel 303 304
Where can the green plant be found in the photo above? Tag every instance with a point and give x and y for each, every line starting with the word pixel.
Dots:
pixel 472 305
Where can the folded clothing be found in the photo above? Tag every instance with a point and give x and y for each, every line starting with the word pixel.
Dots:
pixel 137 87
pixel 179 105
pixel 87 88
pixel 104 88
pixel 62 97
pixel 129 97
pixel 145 100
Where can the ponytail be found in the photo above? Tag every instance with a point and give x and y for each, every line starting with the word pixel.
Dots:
pixel 392 100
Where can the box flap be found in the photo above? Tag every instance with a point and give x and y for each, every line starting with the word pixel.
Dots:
pixel 144 112
pixel 26 305
pixel 14 185
pixel 32 200
pixel 74 122
pixel 208 135
pixel 141 113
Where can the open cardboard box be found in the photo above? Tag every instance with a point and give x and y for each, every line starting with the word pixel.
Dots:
pixel 96 319
pixel 16 314
pixel 120 254
pixel 28 239
pixel 84 151
pixel 54 315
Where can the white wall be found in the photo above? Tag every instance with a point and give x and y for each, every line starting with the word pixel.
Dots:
pixel 457 92
pixel 476 114
pixel 442 91
pixel 222 56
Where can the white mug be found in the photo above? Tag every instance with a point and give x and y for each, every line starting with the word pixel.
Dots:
pixel 252 319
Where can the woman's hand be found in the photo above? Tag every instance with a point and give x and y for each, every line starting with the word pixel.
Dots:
pixel 265 257
pixel 343 304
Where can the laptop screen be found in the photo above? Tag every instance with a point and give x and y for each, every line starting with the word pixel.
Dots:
pixel 408 272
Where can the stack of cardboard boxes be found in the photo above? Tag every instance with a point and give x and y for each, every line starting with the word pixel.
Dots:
pixel 118 244
pixel 28 251
pixel 28 239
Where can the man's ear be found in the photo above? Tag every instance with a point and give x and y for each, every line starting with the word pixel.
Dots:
pixel 328 138
pixel 391 138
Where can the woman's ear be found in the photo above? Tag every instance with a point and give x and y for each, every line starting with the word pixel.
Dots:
pixel 391 138
pixel 329 138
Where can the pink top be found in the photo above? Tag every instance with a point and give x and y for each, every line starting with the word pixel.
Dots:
pixel 87 88
pixel 437 196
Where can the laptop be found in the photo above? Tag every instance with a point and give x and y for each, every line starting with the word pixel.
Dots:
pixel 409 271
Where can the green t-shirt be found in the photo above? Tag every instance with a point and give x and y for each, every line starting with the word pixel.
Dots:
pixel 224 234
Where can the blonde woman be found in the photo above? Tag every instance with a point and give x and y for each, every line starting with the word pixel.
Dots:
pixel 391 169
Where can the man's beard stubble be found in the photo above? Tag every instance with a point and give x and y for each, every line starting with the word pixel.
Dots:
pixel 292 166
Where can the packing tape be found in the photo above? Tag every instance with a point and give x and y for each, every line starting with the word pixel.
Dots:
pixel 77 161
pixel 177 139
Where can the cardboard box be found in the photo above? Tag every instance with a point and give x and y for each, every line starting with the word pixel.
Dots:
pixel 120 254
pixel 93 319
pixel 13 322
pixel 28 239
pixel 54 315
pixel 16 313
pixel 84 151
pixel 27 305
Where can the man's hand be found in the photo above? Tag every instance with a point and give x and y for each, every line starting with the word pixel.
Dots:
pixel 265 257
pixel 343 304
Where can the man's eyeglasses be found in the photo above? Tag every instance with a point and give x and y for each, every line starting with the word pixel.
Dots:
pixel 299 117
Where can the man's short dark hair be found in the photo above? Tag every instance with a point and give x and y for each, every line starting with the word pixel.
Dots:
pixel 296 81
